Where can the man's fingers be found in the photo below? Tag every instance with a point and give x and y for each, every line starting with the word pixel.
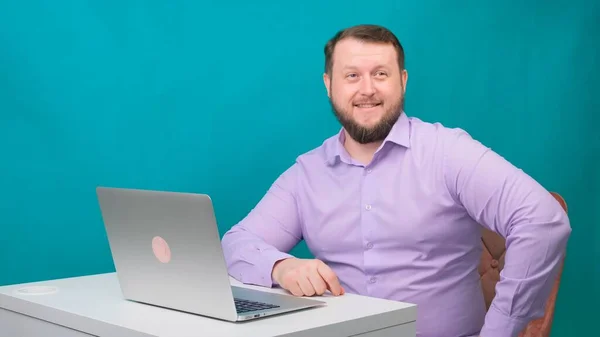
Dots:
pixel 294 288
pixel 333 284
pixel 306 286
pixel 318 283
pixel 306 280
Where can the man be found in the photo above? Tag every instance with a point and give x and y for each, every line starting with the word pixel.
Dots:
pixel 392 207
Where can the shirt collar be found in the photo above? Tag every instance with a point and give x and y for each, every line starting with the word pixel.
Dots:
pixel 400 135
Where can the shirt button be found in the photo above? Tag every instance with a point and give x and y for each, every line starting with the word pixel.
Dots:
pixel 368 207
pixel 370 245
pixel 372 280
pixel 369 170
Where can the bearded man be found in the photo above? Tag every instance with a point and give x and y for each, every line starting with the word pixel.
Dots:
pixel 392 207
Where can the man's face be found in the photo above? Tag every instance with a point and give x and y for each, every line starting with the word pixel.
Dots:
pixel 366 88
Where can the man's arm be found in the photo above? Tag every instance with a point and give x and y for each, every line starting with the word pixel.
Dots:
pixel 506 200
pixel 266 234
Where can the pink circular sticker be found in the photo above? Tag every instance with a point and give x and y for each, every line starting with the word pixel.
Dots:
pixel 161 249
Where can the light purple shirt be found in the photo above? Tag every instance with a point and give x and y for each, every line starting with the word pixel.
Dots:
pixel 406 227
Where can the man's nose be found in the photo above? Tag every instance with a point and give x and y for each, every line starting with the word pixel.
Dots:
pixel 367 87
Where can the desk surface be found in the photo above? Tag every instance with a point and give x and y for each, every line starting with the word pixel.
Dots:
pixel 94 304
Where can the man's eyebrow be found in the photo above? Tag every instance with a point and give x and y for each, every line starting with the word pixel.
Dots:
pixel 378 67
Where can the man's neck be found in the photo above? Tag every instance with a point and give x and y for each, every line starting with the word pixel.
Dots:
pixel 362 153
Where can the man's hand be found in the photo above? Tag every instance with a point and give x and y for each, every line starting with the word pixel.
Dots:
pixel 306 277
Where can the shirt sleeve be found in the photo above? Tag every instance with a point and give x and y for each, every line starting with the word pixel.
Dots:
pixel 504 199
pixel 265 235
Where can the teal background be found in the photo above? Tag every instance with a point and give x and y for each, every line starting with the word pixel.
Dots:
pixel 220 97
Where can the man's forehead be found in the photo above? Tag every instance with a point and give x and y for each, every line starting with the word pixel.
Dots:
pixel 355 50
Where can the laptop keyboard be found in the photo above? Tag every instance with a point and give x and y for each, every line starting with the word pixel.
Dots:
pixel 247 306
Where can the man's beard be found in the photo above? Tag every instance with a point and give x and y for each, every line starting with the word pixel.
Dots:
pixel 375 133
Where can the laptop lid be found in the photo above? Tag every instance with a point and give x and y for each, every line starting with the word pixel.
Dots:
pixel 167 250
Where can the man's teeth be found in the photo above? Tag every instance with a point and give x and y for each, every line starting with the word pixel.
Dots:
pixel 366 105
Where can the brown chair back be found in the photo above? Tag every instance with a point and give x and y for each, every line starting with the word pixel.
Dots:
pixel 492 262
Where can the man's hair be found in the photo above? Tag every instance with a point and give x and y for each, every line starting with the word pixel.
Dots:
pixel 365 33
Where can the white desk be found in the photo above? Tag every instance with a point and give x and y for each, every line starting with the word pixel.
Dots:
pixel 93 306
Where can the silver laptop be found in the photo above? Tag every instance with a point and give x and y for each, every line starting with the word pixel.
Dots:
pixel 167 252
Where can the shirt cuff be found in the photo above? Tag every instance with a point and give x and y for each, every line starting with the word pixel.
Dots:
pixel 499 325
pixel 265 269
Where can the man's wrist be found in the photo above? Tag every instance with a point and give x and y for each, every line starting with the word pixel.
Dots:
pixel 277 267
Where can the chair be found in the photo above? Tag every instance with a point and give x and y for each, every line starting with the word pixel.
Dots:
pixel 492 262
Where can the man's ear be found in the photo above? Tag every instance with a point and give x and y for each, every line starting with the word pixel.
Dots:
pixel 327 82
pixel 404 80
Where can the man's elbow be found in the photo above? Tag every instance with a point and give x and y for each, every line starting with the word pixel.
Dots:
pixel 234 242
pixel 229 242
pixel 233 235
pixel 561 231
pixel 227 236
